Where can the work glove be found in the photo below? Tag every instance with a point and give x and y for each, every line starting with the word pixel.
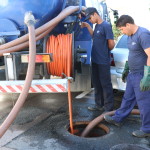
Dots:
pixel 145 82
pixel 125 72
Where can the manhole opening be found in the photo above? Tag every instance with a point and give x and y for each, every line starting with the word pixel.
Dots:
pixel 97 131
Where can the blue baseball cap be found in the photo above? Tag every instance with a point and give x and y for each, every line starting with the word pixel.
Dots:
pixel 89 11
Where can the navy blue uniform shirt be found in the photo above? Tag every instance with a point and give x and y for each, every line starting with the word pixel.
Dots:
pixel 137 43
pixel 100 52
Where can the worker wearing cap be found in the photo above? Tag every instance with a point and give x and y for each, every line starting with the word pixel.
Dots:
pixel 138 79
pixel 100 57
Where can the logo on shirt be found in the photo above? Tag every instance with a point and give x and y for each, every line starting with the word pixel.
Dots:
pixel 98 31
pixel 133 43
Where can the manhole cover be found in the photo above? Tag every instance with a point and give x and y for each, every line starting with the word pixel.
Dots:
pixel 98 131
pixel 128 147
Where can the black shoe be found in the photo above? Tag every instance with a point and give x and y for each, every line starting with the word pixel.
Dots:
pixel 140 134
pixel 95 107
pixel 109 119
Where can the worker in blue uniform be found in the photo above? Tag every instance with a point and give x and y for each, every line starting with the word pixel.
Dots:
pixel 103 42
pixel 138 79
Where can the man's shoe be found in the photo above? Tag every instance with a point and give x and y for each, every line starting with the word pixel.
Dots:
pixel 95 107
pixel 140 134
pixel 109 119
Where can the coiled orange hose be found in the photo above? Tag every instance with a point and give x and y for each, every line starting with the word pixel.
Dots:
pixel 61 48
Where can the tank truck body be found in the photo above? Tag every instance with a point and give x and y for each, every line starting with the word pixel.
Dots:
pixel 49 49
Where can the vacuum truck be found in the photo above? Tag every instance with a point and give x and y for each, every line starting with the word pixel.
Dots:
pixel 63 48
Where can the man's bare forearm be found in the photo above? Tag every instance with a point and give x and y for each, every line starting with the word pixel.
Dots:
pixel 87 25
pixel 111 44
pixel 148 61
pixel 90 30
pixel 147 51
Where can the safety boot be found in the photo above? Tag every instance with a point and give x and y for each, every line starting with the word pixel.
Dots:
pixel 110 120
pixel 140 134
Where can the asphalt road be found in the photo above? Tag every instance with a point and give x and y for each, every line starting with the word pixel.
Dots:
pixel 43 124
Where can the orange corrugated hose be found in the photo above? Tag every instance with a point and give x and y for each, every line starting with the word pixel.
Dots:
pixel 61 48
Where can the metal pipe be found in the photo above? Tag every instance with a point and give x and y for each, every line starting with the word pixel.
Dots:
pixel 30 72
pixel 100 118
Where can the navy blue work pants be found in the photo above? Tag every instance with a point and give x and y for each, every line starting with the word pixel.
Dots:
pixel 102 85
pixel 132 96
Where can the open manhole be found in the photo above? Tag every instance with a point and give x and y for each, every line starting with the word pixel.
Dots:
pixel 97 131
pixel 128 147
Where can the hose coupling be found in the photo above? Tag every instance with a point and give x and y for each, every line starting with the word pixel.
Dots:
pixel 68 78
pixel 29 18
pixel 2 41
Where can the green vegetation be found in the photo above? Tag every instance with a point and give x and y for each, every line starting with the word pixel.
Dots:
pixel 116 32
